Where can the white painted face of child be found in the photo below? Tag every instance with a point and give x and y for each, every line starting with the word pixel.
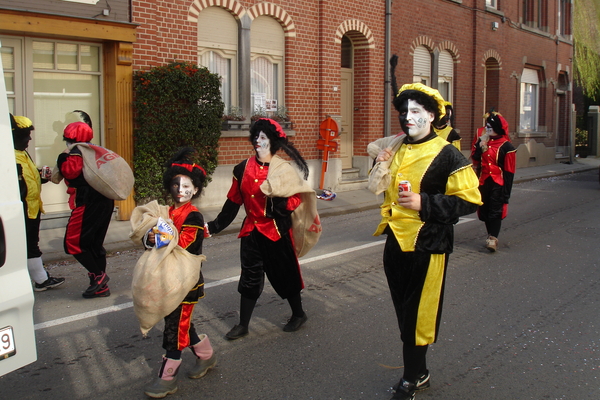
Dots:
pixel 263 147
pixel 182 190
pixel 415 120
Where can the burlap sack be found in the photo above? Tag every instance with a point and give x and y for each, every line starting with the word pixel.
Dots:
pixel 283 180
pixel 162 277
pixel 106 171
pixel 379 175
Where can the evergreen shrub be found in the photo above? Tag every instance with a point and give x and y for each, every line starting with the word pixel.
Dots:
pixel 176 105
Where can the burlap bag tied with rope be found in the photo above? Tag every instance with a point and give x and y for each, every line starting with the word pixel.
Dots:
pixel 162 277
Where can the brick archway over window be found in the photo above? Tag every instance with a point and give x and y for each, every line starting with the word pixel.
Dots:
pixel 358 31
pixel 278 13
pixel 451 48
pixel 425 41
pixel 233 6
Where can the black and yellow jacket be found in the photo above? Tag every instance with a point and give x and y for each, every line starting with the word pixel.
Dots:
pixel 448 188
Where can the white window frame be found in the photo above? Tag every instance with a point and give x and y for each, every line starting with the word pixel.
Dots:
pixel 530 84
pixel 491 3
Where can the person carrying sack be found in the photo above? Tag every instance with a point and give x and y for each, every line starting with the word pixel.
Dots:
pixel 90 211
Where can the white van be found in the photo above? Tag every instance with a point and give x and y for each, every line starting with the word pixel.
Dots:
pixel 17 337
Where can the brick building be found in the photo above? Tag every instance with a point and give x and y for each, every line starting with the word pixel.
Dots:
pixel 316 58
pixel 514 56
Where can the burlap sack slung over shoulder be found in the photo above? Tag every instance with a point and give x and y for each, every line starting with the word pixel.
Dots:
pixel 379 176
pixel 161 277
pixel 106 171
pixel 283 180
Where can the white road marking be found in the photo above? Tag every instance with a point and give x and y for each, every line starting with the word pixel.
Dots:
pixel 123 306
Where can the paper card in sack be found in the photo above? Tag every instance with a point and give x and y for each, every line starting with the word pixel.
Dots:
pixel 163 233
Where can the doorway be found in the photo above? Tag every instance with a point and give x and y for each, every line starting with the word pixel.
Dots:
pixel 346 134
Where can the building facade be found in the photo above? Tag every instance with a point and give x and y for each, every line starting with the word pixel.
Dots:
pixel 309 59
pixel 512 56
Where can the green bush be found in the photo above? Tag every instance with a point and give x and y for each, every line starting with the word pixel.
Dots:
pixel 176 105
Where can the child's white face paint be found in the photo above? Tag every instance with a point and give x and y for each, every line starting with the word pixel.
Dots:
pixel 182 190
pixel 263 147
pixel 417 121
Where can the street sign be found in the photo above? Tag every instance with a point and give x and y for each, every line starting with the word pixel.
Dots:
pixel 328 131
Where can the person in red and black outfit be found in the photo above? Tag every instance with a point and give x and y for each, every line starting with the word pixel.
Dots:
pixel 90 212
pixel 495 157
pixel 266 240
pixel 184 180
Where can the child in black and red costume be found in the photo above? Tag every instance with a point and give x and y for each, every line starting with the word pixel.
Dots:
pixel 90 211
pixel 184 181
pixel 267 246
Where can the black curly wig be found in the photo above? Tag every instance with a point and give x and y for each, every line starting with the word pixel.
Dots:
pixel 181 164
pixel 279 141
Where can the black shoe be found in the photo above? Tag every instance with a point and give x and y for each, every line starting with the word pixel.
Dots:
pixel 295 323
pixel 422 382
pixel 96 283
pixel 48 284
pixel 104 291
pixel 405 390
pixel 237 332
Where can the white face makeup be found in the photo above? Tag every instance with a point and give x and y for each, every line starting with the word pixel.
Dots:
pixel 263 147
pixel 417 120
pixel 182 190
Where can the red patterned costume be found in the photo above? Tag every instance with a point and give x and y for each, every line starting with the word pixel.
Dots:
pixel 267 243
pixel 178 325
pixel 495 159
pixel 90 215
pixel 266 237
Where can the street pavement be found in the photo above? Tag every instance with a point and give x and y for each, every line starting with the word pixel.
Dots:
pixel 117 238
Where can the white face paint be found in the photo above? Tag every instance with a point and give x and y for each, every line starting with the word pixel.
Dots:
pixel 263 147
pixel 182 190
pixel 417 120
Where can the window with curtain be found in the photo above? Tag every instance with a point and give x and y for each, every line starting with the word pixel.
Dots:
pixel 267 46
pixel 218 52
pixel 529 99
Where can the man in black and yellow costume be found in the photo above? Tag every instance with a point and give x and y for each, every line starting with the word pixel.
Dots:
pixel 445 127
pixel 420 224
